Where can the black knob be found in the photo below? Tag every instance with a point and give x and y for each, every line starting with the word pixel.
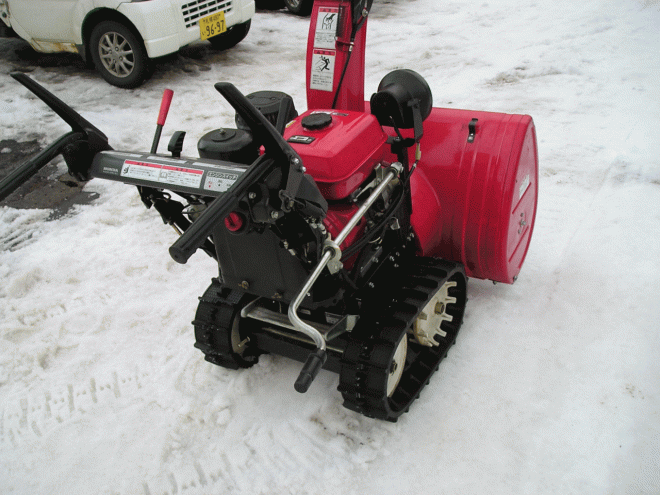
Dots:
pixel 316 121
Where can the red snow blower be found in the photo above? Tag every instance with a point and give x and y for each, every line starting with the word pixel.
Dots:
pixel 344 235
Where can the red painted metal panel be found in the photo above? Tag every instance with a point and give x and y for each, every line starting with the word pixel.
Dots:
pixel 342 154
pixel 328 48
pixel 475 202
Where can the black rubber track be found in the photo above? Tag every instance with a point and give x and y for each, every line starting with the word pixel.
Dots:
pixel 368 356
pixel 213 323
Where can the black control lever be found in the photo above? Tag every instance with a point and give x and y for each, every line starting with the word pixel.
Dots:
pixel 76 121
pixel 286 106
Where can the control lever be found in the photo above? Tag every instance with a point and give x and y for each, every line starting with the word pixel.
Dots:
pixel 311 368
pixel 162 116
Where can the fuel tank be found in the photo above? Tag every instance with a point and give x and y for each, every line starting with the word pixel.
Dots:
pixel 340 149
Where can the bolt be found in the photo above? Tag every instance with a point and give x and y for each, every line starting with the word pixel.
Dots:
pixel 244 285
pixel 302 170
pixel 275 214
pixel 371 285
pixel 252 195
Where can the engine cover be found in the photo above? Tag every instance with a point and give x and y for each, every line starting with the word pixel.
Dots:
pixel 339 149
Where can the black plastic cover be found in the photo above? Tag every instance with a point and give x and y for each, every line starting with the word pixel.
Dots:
pixel 398 92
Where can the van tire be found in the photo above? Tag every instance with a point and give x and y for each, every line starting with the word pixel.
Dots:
pixel 119 54
pixel 232 37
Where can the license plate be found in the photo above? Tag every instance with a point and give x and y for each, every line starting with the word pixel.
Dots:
pixel 212 25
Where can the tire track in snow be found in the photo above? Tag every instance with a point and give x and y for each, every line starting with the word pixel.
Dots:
pixel 31 417
pixel 273 457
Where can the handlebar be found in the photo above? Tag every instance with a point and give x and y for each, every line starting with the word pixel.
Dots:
pixel 78 146
pixel 21 174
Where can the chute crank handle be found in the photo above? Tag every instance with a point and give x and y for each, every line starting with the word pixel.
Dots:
pixel 311 368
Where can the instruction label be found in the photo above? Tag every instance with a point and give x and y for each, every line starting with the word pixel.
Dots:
pixel 323 70
pixel 166 174
pixel 219 181
pixel 326 28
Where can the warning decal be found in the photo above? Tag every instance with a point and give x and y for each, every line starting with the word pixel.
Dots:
pixel 323 70
pixel 167 174
pixel 326 28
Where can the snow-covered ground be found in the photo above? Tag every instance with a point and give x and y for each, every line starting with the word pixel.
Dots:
pixel 554 384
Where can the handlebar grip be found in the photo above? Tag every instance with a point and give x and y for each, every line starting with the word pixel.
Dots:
pixel 195 235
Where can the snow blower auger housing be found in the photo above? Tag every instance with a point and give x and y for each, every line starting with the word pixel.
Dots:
pixel 338 243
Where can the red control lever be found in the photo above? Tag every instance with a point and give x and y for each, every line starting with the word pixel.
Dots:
pixel 162 116
pixel 165 106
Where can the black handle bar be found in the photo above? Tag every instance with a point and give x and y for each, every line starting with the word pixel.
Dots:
pixel 78 146
pixel 22 173
pixel 195 235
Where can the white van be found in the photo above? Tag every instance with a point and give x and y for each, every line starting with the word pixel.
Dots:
pixel 122 36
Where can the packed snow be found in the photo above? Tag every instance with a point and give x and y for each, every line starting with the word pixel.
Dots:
pixel 553 385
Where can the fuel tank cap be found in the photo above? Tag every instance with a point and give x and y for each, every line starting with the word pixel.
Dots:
pixel 316 121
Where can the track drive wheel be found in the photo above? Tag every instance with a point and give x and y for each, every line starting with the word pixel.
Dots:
pixel 384 366
pixel 218 328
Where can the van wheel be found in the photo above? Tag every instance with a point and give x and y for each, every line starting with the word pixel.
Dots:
pixel 119 55
pixel 299 7
pixel 232 37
